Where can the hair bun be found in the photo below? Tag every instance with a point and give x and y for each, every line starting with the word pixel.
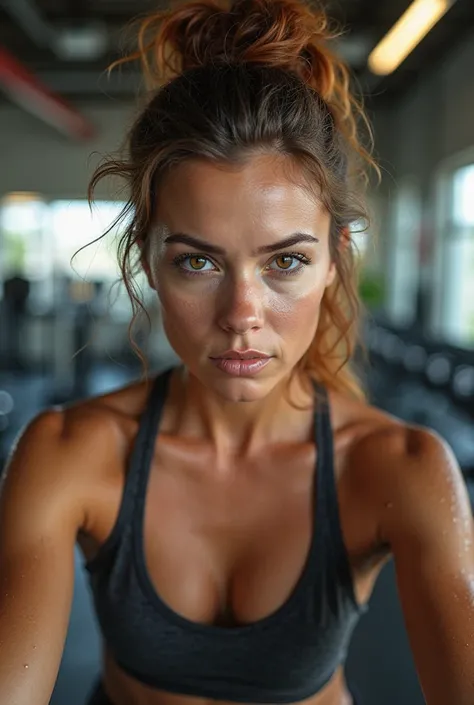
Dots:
pixel 283 33
pixel 279 33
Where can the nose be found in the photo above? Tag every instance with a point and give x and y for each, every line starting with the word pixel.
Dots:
pixel 241 307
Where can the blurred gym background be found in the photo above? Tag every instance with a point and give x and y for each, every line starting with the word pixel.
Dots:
pixel 64 325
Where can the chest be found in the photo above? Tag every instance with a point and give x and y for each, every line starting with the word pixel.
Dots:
pixel 229 546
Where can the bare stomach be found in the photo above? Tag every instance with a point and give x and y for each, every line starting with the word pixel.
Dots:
pixel 122 689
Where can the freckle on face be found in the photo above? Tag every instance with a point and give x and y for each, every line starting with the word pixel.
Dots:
pixel 250 207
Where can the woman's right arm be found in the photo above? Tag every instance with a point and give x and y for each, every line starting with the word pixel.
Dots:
pixel 41 512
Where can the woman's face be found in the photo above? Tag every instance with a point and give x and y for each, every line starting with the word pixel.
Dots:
pixel 226 278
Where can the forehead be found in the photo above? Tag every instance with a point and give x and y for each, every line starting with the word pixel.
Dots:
pixel 266 195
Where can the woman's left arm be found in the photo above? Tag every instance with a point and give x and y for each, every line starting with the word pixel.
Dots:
pixel 428 524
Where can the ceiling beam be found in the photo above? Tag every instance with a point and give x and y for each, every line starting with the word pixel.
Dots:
pixel 27 91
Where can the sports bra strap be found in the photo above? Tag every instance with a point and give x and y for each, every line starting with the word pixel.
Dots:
pixel 142 456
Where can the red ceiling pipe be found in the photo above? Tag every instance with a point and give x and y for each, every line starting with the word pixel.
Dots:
pixel 25 89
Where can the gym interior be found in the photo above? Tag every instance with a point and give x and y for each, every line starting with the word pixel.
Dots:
pixel 64 315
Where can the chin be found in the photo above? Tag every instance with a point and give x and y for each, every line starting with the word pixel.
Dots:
pixel 240 389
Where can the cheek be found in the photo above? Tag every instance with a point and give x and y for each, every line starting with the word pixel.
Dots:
pixel 297 314
pixel 185 314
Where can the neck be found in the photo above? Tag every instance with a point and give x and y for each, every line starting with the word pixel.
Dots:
pixel 242 429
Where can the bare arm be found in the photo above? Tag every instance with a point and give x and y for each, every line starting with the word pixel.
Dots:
pixel 40 514
pixel 428 523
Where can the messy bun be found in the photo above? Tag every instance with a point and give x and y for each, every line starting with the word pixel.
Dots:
pixel 283 34
pixel 230 80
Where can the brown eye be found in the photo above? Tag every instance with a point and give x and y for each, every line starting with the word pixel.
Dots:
pixel 197 262
pixel 284 261
pixel 193 264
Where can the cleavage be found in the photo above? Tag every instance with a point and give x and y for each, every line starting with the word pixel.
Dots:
pixel 229 549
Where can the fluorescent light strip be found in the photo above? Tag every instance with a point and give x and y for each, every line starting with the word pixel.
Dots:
pixel 406 34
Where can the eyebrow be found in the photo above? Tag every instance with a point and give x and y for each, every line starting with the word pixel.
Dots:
pixel 196 242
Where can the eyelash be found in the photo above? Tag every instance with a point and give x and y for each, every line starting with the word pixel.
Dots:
pixel 303 259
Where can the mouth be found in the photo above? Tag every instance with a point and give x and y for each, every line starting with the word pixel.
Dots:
pixel 241 363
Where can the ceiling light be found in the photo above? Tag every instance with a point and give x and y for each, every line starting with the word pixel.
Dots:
pixel 406 34
pixel 87 43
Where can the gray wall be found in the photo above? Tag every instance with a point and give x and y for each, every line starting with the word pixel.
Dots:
pixel 34 157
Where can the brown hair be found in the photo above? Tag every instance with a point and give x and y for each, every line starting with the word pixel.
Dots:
pixel 231 80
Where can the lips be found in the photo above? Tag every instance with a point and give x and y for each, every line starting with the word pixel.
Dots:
pixel 238 366
pixel 241 355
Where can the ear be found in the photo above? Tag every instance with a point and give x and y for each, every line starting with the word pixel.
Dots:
pixel 331 275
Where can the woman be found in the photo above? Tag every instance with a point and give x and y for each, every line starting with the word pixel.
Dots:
pixel 235 512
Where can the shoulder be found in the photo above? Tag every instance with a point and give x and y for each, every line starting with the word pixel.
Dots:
pixel 412 477
pixel 389 448
pixel 69 449
pixel 107 417
pixel 404 474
